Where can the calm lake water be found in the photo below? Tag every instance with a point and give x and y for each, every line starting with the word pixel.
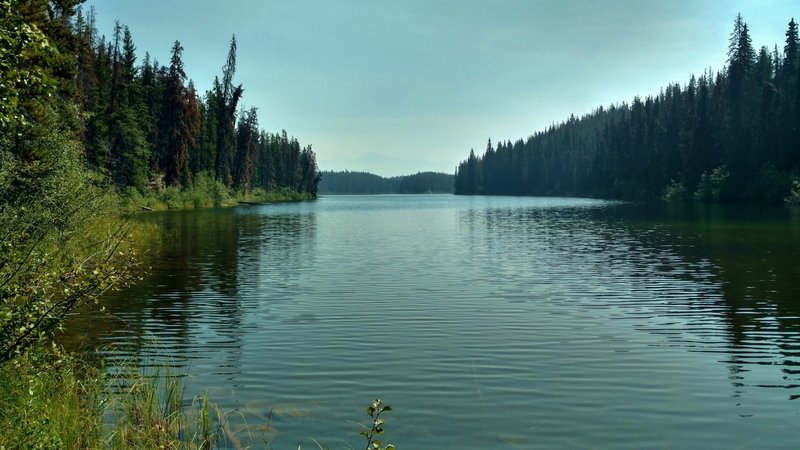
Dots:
pixel 486 322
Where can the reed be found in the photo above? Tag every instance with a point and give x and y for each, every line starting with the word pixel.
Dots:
pixel 50 400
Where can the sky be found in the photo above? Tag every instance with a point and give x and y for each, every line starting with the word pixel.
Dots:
pixel 399 87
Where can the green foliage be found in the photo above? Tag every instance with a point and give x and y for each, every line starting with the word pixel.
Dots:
pixel 275 196
pixel 50 401
pixel 376 430
pixel 149 412
pixel 25 54
pixel 207 191
pixel 62 244
pixel 794 196
pixel 202 192
pixel 713 188
pixel 676 192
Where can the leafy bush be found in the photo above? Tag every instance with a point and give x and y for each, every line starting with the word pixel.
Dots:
pixel 202 192
pixel 676 192
pixel 714 187
pixel 794 194
pixel 207 191
pixel 62 242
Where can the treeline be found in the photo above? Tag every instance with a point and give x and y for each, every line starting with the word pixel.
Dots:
pixel 146 126
pixel 347 182
pixel 732 135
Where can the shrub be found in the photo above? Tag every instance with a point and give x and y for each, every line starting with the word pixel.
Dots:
pixel 714 187
pixel 676 192
pixel 794 194
pixel 61 246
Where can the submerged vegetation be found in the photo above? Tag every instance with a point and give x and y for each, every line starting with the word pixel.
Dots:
pixel 726 136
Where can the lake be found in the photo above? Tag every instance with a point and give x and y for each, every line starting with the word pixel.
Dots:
pixel 485 322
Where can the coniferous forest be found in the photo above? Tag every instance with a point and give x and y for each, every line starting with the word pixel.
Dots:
pixel 146 126
pixel 732 135
pixel 348 182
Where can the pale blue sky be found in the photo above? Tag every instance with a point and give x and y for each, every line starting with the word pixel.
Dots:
pixel 411 85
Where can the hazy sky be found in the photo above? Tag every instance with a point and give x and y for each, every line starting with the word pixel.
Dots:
pixel 405 86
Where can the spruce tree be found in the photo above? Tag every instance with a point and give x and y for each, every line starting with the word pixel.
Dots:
pixel 790 50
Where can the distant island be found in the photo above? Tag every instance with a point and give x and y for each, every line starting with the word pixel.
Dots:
pixel 347 182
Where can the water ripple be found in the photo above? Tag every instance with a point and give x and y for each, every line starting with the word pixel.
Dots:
pixel 486 322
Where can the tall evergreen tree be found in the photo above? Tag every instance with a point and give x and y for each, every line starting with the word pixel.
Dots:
pixel 176 131
pixel 791 49
pixel 246 148
pixel 226 101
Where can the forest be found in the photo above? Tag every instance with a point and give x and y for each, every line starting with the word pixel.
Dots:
pixel 145 126
pixel 82 124
pixel 347 182
pixel 731 135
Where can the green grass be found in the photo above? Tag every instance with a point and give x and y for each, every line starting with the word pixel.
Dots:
pixel 259 195
pixel 49 402
pixel 52 401
pixel 149 412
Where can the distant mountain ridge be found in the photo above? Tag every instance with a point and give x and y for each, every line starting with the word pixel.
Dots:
pixel 347 182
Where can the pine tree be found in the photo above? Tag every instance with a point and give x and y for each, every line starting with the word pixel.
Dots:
pixel 741 59
pixel 246 149
pixel 790 50
pixel 177 129
pixel 227 99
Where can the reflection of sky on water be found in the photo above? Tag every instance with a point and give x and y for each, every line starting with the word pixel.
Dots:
pixel 582 320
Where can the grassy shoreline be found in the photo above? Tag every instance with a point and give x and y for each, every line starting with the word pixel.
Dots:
pixel 202 192
pixel 51 400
